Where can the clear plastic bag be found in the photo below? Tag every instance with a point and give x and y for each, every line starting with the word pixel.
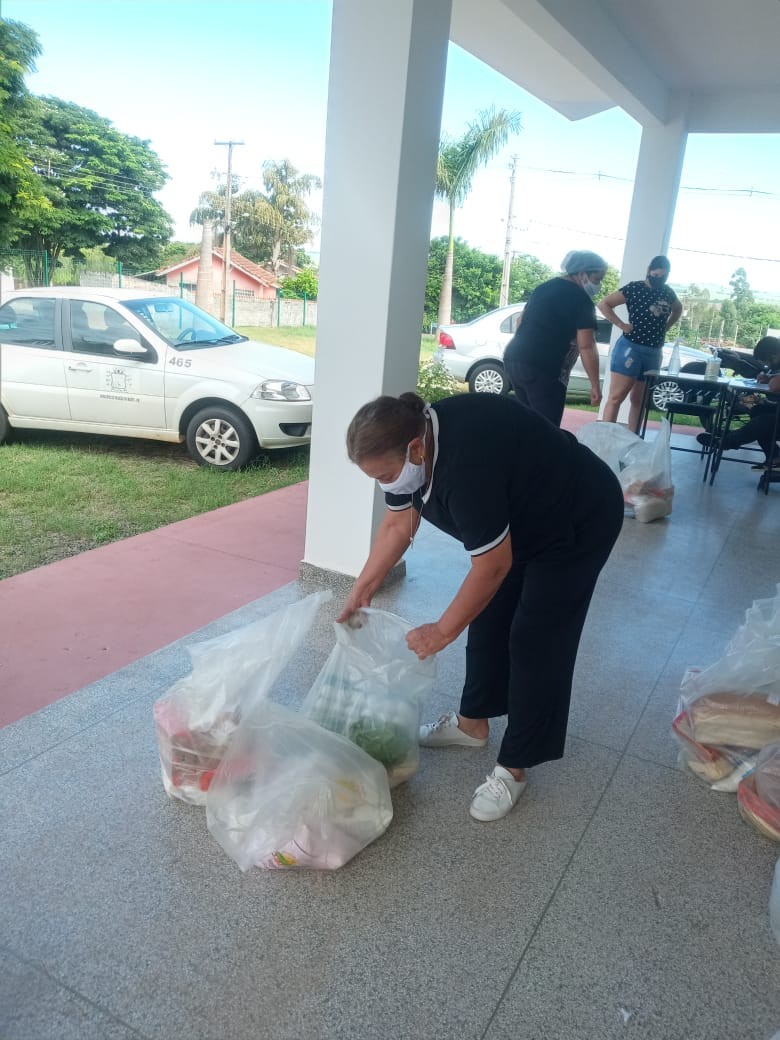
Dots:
pixel 730 711
pixel 290 794
pixel 199 714
pixel 610 441
pixel 768 776
pixel 644 468
pixel 372 688
pixel 646 476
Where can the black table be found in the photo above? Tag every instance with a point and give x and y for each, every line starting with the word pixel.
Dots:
pixel 689 381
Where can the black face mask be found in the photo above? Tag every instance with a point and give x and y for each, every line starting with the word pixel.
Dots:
pixel 657 280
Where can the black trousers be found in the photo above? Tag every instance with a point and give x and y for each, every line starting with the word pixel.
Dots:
pixel 542 393
pixel 759 427
pixel 521 650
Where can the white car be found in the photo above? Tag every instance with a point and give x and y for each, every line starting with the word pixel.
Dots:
pixel 474 352
pixel 124 363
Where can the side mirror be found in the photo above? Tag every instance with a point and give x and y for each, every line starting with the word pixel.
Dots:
pixel 131 347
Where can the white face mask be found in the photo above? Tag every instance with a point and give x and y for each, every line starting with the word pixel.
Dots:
pixel 410 479
pixel 591 288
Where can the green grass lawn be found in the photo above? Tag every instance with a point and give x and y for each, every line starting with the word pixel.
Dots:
pixel 63 493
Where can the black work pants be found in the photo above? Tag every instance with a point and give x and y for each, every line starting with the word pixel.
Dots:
pixel 759 427
pixel 541 393
pixel 522 648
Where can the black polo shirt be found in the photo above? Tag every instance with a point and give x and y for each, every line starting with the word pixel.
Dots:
pixel 498 467
pixel 555 312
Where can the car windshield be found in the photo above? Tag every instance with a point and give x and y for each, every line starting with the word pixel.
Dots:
pixel 182 324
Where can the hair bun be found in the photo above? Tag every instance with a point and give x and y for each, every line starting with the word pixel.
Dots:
pixel 412 400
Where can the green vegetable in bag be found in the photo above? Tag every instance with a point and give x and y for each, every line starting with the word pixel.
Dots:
pixel 387 742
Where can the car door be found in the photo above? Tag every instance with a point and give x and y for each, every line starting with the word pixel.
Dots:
pixel 105 387
pixel 32 375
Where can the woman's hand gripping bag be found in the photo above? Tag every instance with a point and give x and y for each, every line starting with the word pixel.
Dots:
pixel 289 793
pixel 372 688
pixel 198 715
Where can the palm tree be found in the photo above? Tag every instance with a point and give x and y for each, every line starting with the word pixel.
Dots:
pixel 458 162
pixel 210 214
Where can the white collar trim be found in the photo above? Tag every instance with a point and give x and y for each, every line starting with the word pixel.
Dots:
pixel 431 414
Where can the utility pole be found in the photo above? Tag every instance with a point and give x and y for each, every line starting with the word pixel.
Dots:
pixel 226 238
pixel 503 297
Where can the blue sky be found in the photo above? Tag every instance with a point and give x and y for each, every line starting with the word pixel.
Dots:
pixel 184 73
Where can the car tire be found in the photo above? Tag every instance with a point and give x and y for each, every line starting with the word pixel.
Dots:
pixel 5 426
pixel 666 392
pixel 488 378
pixel 221 438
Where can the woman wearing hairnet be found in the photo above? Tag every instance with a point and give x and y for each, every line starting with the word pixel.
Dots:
pixel 558 323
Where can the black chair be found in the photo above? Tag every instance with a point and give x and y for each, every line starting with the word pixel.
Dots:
pixel 702 404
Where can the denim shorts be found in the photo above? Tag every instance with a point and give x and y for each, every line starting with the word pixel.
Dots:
pixel 633 360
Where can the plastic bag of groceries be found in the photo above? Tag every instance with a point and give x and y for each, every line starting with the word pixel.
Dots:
pixel 644 468
pixel 758 795
pixel 371 690
pixel 730 711
pixel 289 793
pixel 646 476
pixel 199 714
pixel 610 441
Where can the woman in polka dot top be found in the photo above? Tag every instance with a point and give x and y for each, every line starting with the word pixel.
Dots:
pixel 652 310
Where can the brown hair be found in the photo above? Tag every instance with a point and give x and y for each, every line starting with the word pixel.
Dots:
pixel 385 425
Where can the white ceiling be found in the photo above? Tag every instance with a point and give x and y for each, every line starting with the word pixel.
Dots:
pixel 719 58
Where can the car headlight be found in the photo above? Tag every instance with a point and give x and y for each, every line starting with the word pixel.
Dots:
pixel 280 390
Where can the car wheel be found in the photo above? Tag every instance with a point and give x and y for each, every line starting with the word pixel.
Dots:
pixel 221 438
pixel 488 378
pixel 665 393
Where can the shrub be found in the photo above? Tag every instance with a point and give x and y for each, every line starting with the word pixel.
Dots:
pixel 434 382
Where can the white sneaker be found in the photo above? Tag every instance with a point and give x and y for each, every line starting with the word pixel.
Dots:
pixel 499 793
pixel 445 732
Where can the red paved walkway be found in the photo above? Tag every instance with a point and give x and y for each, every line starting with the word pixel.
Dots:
pixel 70 623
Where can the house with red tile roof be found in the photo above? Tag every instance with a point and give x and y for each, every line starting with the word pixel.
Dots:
pixel 251 280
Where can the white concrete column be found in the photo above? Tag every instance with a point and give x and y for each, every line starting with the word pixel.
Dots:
pixel 656 184
pixel 387 67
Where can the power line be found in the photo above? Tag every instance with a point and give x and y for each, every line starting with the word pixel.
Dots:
pixel 681 249
pixel 600 175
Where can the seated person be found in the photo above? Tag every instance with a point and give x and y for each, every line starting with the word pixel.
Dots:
pixel 761 424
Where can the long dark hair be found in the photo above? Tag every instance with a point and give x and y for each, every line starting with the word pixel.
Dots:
pixel 384 425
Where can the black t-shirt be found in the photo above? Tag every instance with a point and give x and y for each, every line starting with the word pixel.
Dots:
pixel 498 467
pixel 555 311
pixel 648 312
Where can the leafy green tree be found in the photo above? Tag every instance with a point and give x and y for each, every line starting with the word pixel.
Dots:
pixel 525 274
pixel 611 282
pixel 174 252
pixel 20 190
pixel 754 320
pixel 729 319
pixel 476 286
pixel 476 281
pixel 740 289
pixel 269 226
pixel 305 282
pixel 457 164
pixel 98 186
